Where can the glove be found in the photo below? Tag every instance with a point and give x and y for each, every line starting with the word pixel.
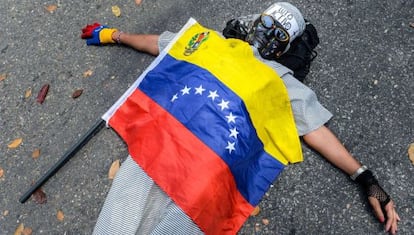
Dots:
pixel 97 34
pixel 368 181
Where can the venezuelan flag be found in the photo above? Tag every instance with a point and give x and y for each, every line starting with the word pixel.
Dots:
pixel 211 125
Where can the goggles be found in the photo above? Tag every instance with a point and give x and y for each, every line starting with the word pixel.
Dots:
pixel 268 36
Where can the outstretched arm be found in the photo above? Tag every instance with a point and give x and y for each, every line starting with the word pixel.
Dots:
pixel 147 43
pixel 328 145
pixel 98 35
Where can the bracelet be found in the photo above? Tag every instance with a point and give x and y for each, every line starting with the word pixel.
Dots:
pixel 358 172
pixel 118 38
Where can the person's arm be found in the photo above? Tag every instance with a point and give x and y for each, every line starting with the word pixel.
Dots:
pixel 147 43
pixel 328 145
pixel 98 35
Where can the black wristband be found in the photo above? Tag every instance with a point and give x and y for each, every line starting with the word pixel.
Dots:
pixel 368 181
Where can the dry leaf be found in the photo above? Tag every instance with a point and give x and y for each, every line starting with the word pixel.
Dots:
pixel 27 231
pixel 256 211
pixel 15 143
pixel 116 11
pixel 1 172
pixel 39 196
pixel 6 213
pixel 2 77
pixel 411 152
pixel 87 73
pixel 412 25
pixel 138 2
pixel 265 221
pixel 36 154
pixel 51 8
pixel 28 93
pixel 114 169
pixel 41 96
pixel 60 216
pixel 19 229
pixel 77 93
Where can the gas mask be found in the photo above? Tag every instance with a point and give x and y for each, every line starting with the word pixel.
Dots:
pixel 268 36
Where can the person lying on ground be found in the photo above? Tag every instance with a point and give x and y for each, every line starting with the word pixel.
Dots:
pixel 141 207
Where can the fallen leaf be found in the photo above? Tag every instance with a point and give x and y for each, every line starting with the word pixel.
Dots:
pixel 60 216
pixel 77 93
pixel 138 2
pixel 28 93
pixel 116 11
pixel 2 77
pixel 1 172
pixel 113 169
pixel 411 152
pixel 256 211
pixel 27 231
pixel 41 96
pixel 19 229
pixel 265 221
pixel 39 196
pixel 36 154
pixel 6 213
pixel 412 24
pixel 87 73
pixel 51 8
pixel 15 143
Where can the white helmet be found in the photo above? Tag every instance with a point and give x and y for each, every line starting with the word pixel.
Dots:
pixel 289 17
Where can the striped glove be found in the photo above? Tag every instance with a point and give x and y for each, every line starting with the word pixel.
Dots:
pixel 97 34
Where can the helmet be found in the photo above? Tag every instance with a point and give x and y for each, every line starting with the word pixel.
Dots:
pixel 289 17
pixel 274 30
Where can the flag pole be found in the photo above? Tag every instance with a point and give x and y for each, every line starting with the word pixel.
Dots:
pixel 64 159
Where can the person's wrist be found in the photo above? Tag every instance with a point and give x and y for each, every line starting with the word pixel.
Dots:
pixel 373 189
pixel 116 36
pixel 358 172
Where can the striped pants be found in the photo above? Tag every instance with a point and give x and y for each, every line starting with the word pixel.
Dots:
pixel 136 205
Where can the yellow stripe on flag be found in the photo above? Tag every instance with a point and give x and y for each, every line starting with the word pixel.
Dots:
pixel 262 90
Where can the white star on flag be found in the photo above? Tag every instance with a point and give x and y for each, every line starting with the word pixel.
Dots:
pixel 231 118
pixel 230 146
pixel 224 104
pixel 213 95
pixel 200 90
pixel 175 96
pixel 233 133
pixel 185 90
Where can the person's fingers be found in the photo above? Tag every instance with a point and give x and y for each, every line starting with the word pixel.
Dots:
pixel 392 218
pixel 85 29
pixel 88 30
pixel 389 209
pixel 377 209
pixel 86 35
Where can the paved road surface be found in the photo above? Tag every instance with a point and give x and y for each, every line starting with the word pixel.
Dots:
pixel 363 74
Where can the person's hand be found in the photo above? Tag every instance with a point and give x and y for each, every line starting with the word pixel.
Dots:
pixel 97 34
pixel 390 217
pixel 380 201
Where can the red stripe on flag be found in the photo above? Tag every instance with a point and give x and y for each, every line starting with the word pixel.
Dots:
pixel 192 174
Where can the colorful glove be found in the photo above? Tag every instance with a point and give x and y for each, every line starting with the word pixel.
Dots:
pixel 97 34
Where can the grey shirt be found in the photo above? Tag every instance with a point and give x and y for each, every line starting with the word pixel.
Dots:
pixel 309 114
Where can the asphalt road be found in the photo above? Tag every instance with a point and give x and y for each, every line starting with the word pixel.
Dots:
pixel 363 74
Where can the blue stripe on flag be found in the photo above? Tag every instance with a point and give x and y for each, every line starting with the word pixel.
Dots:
pixel 218 117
